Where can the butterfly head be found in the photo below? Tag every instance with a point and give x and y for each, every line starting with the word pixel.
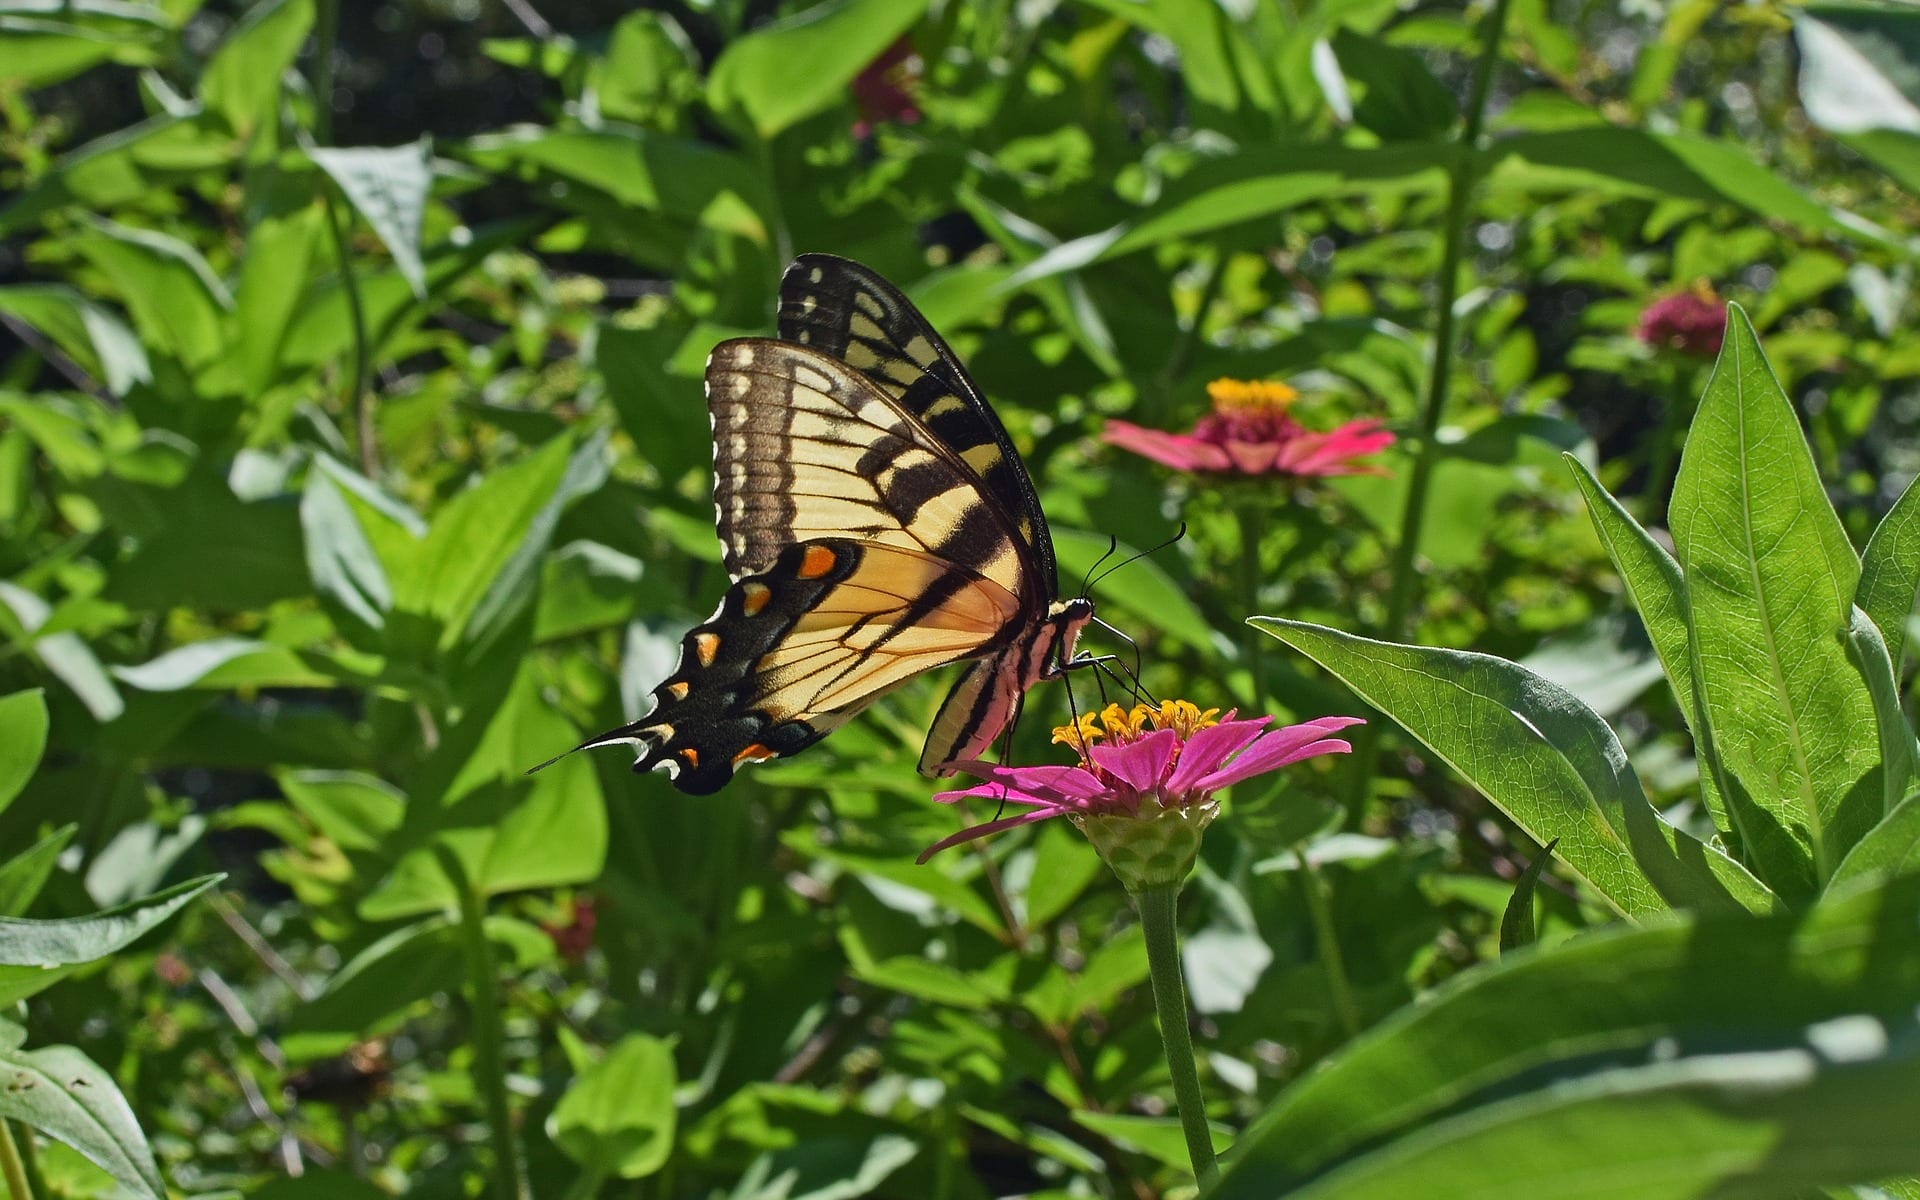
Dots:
pixel 1067 618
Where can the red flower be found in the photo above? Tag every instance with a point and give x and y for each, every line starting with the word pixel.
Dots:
pixel 1693 322
pixel 1251 432
pixel 1152 765
pixel 574 938
pixel 883 90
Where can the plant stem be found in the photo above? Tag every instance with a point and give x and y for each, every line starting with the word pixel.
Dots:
pixel 1157 908
pixel 1462 178
pixel 1327 944
pixel 1252 519
pixel 488 1036
pixel 11 1168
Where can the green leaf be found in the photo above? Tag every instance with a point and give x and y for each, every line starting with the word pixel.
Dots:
pixel 1605 160
pixel 792 69
pixel 694 183
pixel 23 738
pixel 273 277
pixel 1659 594
pixel 475 537
pixel 348 575
pixel 221 664
pixel 26 873
pixel 34 955
pixel 1398 98
pixel 1516 924
pixel 125 166
pixel 1542 757
pixel 1859 67
pixel 1251 185
pixel 1161 1139
pixel 59 1091
pixel 1723 1056
pixel 371 993
pixel 178 303
pixel 1770 583
pixel 1890 572
pixel 1890 848
pixel 617 1117
pixel 388 186
pixel 64 654
pixel 92 336
pixel 241 81
pixel 44 44
pixel 1897 749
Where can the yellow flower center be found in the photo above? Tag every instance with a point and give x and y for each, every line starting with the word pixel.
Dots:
pixel 1247 396
pixel 1118 726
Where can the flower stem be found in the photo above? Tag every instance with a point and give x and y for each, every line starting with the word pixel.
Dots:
pixel 1157 907
pixel 488 1036
pixel 1462 178
pixel 1327 944
pixel 11 1168
pixel 1252 518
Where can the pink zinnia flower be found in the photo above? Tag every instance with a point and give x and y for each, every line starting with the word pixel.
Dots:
pixel 1251 432
pixel 1693 322
pixel 1145 785
pixel 883 90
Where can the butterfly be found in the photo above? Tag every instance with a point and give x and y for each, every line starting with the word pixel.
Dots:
pixel 876 523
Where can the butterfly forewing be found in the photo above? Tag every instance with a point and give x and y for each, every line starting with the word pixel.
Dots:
pixel 806 448
pixel 844 309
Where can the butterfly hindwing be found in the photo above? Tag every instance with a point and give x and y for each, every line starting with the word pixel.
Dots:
pixel 795 650
pixel 840 307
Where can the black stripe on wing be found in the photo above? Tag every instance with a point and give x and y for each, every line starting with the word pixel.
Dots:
pixel 842 308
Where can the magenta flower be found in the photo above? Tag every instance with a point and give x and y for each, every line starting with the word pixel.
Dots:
pixel 1252 432
pixel 1694 322
pixel 883 90
pixel 1145 785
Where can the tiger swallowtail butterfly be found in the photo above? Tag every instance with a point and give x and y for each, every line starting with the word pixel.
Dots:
pixel 876 523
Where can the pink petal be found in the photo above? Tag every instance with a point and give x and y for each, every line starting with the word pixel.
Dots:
pixel 1332 453
pixel 1253 458
pixel 973 832
pixel 1209 748
pixel 1139 764
pixel 1279 747
pixel 1180 451
pixel 1047 784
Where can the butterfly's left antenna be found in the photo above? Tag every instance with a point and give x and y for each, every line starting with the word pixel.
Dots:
pixel 1135 557
pixel 1113 544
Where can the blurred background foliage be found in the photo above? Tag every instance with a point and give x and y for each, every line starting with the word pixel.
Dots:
pixel 353 459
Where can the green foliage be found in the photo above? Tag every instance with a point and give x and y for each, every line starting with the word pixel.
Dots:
pixel 353 460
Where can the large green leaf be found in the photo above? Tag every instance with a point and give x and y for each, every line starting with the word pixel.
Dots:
pixel 41 44
pixel 1728 1056
pixel 1770 583
pixel 178 304
pixel 23 875
pixel 59 1091
pixel 1890 848
pixel 1544 758
pixel 35 955
pixel 786 72
pixel 279 252
pixel 617 1117
pixel 1659 594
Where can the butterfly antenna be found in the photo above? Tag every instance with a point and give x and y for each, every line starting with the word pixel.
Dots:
pixel 1136 557
pixel 1113 544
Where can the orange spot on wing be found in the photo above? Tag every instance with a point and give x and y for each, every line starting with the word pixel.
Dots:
pixel 705 647
pixel 692 756
pixel 817 561
pixel 677 689
pixel 754 753
pixel 754 597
